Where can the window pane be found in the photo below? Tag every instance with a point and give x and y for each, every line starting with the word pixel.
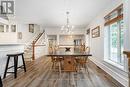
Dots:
pixel 113 42
pixel 1 28
pixel 121 40
pixel 113 15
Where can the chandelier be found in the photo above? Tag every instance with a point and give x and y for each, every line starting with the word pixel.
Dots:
pixel 67 28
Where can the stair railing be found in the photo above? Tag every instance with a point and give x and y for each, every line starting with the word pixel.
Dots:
pixel 41 40
pixel 37 43
pixel 29 43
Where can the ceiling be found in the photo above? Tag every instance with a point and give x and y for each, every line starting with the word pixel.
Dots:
pixel 52 13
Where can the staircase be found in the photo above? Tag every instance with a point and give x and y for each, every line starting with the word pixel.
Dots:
pixel 28 52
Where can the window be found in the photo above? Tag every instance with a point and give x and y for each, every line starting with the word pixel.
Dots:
pixel 1 28
pixel 114 36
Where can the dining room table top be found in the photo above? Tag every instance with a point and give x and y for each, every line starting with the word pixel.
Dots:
pixel 68 53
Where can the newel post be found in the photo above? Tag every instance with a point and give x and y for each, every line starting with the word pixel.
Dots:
pixel 128 56
pixel 33 50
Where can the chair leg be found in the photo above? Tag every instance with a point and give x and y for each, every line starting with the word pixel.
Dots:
pixel 60 68
pixel 52 67
pixel 78 67
pixel 6 68
pixel 24 63
pixel 87 68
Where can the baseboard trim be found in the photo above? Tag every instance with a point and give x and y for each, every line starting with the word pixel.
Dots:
pixel 112 75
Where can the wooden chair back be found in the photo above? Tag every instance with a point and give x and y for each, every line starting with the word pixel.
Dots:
pixel 83 60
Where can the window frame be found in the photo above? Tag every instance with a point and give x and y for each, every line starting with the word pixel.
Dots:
pixel 108 22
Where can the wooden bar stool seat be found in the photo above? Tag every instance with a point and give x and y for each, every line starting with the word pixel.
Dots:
pixel 15 56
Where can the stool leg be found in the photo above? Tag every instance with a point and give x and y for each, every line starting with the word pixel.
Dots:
pixel 1 84
pixel 6 68
pixel 24 63
pixel 15 66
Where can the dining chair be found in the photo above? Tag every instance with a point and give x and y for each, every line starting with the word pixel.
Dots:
pixel 82 62
pixel 56 62
pixel 50 49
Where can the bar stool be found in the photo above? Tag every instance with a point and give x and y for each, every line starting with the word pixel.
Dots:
pixel 15 56
pixel 1 85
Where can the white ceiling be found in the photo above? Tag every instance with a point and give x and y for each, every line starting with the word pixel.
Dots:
pixel 53 12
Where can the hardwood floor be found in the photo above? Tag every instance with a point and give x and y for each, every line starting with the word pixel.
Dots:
pixel 39 75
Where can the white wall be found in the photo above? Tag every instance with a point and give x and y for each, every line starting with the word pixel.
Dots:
pixel 11 37
pixel 26 35
pixel 127 22
pixel 68 39
pixel 8 37
pixel 57 31
pixel 97 46
pixel 41 51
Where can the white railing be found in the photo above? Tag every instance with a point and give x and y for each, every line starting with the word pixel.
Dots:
pixel 37 47
pixel 41 40
pixel 30 41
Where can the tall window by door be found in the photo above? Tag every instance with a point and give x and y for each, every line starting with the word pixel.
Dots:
pixel 114 35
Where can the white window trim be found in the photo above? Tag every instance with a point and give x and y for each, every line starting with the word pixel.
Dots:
pixel 121 67
pixel 107 46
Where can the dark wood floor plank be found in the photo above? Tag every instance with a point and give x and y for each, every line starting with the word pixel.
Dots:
pixel 39 74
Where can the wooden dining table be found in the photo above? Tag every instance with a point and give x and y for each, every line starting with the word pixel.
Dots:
pixel 68 58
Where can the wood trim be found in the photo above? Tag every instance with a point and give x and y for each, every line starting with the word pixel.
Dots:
pixel 127 53
pixel 33 54
pixel 120 17
pixel 128 56
pixel 114 10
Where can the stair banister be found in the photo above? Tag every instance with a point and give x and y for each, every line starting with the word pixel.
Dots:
pixel 33 47
pixel 34 44
pixel 31 40
pixel 41 39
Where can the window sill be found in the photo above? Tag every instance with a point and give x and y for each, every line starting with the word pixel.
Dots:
pixel 121 67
